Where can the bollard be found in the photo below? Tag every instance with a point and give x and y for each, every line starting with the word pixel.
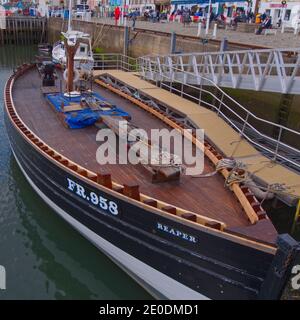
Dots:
pixel 173 43
pixel 215 31
pixel 224 45
pixel 296 30
pixel 199 29
pixel 282 28
pixel 125 21
pixel 207 26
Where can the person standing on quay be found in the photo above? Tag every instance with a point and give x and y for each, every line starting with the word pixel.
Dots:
pixel 117 15
pixel 134 17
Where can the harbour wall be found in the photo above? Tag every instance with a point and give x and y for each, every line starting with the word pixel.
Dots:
pixel 21 30
pixel 111 39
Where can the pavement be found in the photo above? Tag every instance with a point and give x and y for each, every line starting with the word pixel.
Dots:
pixel 280 40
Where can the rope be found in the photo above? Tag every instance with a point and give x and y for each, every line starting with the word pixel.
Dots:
pixel 236 146
pixel 238 173
pixel 224 163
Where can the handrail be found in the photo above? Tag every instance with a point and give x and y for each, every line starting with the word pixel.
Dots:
pixel 297 49
pixel 154 71
pixel 229 97
pixel 262 70
pixel 147 65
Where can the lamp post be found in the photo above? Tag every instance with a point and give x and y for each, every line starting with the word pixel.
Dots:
pixel 208 17
pixel 283 6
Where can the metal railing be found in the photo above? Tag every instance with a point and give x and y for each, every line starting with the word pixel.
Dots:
pixel 109 61
pixel 273 70
pixel 209 94
pixel 268 139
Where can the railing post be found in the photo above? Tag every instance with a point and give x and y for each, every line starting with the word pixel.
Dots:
pixel 220 104
pixel 277 144
pixel 200 94
pixel 245 123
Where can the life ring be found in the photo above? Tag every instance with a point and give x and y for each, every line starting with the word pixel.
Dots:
pixel 76 75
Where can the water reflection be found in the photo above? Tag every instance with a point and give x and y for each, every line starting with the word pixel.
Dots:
pixel 68 266
pixel 43 256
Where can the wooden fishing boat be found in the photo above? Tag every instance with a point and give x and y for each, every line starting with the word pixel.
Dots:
pixel 180 238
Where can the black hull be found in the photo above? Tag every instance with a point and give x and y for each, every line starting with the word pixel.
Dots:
pixel 199 263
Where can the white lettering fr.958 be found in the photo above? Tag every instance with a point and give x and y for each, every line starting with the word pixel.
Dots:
pixel 103 203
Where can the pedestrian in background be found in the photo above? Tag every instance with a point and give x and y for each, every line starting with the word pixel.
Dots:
pixel 117 15
pixel 185 17
pixel 134 15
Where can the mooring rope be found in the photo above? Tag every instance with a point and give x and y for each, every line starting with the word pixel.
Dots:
pixel 238 173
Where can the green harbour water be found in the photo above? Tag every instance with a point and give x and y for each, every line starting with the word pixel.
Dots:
pixel 43 256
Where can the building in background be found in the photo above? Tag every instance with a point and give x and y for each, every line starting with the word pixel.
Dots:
pixel 141 5
pixel 288 11
pixel 218 7
pixel 162 5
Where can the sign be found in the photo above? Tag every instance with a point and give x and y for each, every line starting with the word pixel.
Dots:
pixel 283 4
pixel 277 5
pixel 173 232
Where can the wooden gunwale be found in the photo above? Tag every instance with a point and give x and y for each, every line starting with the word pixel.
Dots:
pixel 66 164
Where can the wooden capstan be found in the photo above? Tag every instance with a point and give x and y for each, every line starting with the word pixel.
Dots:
pixel 71 51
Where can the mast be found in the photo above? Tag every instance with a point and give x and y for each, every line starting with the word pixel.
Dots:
pixel 70 16
pixel 70 51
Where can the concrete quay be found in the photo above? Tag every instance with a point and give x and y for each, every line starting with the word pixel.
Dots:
pixel 245 39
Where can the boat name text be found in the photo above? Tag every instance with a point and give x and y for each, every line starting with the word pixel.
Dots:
pixel 175 232
pixel 99 201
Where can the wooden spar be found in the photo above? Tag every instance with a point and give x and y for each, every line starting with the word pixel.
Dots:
pixel 71 51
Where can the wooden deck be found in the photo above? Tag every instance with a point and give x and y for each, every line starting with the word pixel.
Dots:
pixel 224 137
pixel 205 196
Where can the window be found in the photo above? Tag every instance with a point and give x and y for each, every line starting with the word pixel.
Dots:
pixel 82 49
pixel 287 15
pixel 278 13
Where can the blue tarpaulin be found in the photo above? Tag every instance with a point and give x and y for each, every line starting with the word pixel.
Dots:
pixel 85 117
